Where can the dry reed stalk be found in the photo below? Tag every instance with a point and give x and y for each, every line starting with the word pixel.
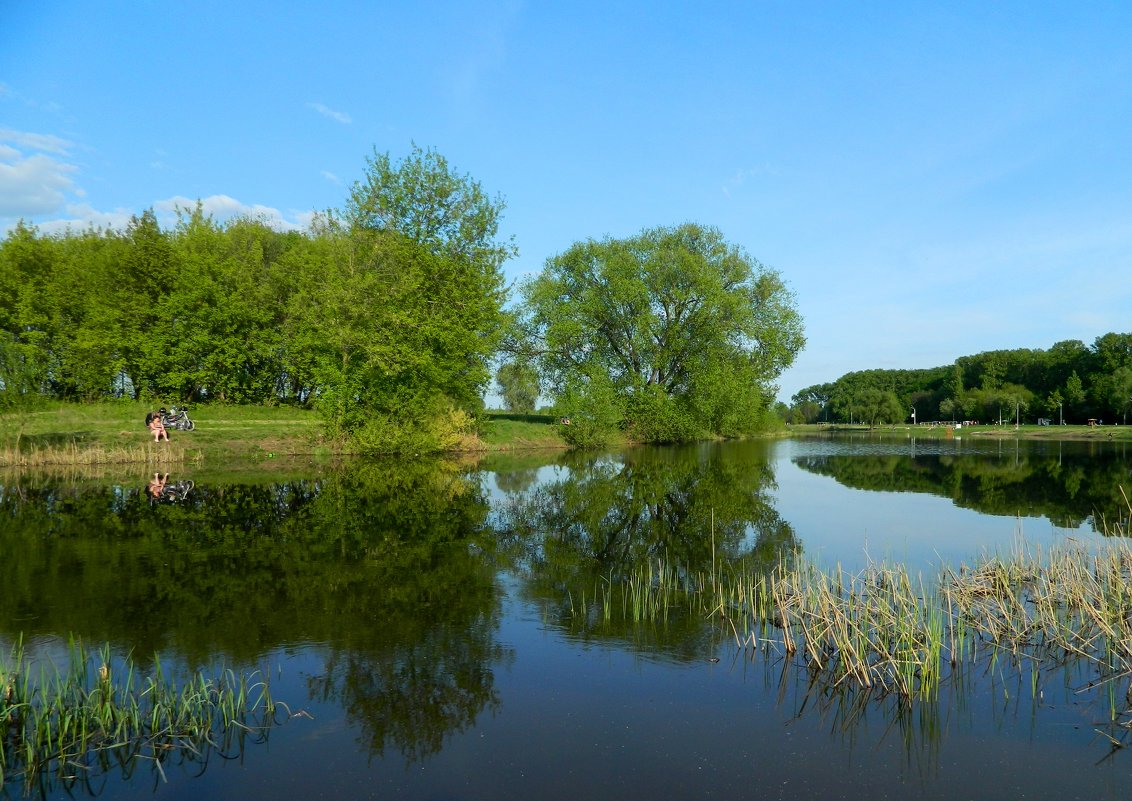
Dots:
pixel 72 455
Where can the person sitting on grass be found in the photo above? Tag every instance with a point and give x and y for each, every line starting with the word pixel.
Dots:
pixel 153 422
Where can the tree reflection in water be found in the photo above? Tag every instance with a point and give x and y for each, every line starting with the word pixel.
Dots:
pixel 608 516
pixel 1068 483
pixel 382 564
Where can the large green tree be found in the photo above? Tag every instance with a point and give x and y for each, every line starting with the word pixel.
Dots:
pixel 518 385
pixel 877 407
pixel 398 301
pixel 690 330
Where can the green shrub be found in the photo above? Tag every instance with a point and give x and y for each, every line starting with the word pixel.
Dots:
pixel 591 413
pixel 654 416
pixel 437 426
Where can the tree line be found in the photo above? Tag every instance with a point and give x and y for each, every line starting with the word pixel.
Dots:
pixel 390 315
pixel 1071 382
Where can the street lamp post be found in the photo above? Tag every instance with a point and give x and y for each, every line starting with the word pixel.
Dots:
pixel 913 415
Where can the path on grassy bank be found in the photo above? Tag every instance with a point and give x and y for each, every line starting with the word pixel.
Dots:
pixel 947 431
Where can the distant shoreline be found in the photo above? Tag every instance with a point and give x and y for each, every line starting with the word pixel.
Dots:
pixel 1105 433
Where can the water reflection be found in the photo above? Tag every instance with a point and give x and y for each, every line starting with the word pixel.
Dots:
pixel 382 565
pixel 414 592
pixel 601 519
pixel 1068 483
pixel 161 490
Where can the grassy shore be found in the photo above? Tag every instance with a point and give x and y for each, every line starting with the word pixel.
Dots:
pixel 106 434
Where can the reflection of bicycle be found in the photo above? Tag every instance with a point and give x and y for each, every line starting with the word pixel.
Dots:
pixel 162 490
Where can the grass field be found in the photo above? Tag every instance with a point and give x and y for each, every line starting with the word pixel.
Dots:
pixel 507 431
pixel 115 433
pixel 106 434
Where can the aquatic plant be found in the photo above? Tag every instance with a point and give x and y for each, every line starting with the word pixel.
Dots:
pixel 69 724
pixel 885 632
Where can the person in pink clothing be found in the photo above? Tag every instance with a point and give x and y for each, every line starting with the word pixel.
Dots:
pixel 153 422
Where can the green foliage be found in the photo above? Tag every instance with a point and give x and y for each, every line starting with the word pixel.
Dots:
pixel 519 386
pixel 591 412
pixel 676 311
pixel 877 407
pixel 659 417
pixel 432 428
pixel 1070 378
pixel 400 301
pixel 393 303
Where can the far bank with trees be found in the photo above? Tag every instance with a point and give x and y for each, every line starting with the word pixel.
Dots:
pixel 1070 383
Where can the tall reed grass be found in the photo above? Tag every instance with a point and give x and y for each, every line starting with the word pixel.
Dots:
pixel 886 632
pixel 72 454
pixel 68 725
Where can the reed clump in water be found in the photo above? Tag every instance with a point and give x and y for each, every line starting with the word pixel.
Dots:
pixel 71 724
pixel 886 632
pixel 878 630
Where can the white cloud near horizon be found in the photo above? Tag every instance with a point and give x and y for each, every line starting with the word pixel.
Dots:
pixel 225 207
pixel 31 185
pixel 338 116
pixel 81 216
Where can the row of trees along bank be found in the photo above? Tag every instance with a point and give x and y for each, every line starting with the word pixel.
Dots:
pixel 1070 382
pixel 388 315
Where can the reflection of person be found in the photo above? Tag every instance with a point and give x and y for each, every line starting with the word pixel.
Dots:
pixel 157 486
pixel 153 421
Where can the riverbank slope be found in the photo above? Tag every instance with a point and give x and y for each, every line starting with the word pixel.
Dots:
pixel 115 433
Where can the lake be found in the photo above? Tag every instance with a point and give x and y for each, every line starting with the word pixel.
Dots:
pixel 435 625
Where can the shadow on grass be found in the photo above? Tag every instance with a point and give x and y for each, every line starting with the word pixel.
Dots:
pixel 522 418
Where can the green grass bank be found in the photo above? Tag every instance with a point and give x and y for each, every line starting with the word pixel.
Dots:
pixel 107 434
pixel 101 435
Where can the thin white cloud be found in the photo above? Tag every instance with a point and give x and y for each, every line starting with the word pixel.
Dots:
pixel 337 116
pixel 33 179
pixel 45 143
pixel 334 179
pixel 742 176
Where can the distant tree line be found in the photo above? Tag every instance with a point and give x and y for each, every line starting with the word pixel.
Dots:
pixel 1071 382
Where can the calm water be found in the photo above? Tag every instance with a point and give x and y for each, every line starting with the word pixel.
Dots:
pixel 425 616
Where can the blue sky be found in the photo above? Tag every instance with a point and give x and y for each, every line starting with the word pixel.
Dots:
pixel 931 179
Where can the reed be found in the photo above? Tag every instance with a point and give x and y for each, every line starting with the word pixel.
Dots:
pixel 70 723
pixel 885 632
pixel 73 454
